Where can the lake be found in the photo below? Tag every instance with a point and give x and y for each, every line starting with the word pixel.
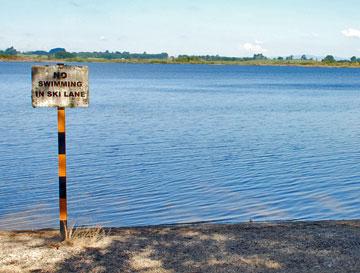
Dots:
pixel 165 144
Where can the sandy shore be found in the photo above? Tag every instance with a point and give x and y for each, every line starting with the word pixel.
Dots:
pixel 328 246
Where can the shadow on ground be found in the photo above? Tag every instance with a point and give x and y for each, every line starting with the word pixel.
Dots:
pixel 286 247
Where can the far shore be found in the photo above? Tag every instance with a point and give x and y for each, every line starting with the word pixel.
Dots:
pixel 269 62
pixel 301 247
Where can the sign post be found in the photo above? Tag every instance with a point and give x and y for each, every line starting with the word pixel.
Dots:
pixel 62 172
pixel 60 86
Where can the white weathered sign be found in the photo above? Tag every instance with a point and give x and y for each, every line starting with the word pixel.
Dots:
pixel 60 86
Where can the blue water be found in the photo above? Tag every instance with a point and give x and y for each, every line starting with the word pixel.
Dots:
pixel 185 143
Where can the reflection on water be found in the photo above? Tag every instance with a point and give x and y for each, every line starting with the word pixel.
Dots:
pixel 185 143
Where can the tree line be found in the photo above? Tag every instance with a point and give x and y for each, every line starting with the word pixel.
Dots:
pixel 62 53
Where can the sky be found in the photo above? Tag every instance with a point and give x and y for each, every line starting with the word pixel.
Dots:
pixel 199 27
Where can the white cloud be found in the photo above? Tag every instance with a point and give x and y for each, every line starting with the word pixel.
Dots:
pixel 102 38
pixel 254 48
pixel 351 32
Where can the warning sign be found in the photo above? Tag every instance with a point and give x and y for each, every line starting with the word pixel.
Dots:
pixel 60 86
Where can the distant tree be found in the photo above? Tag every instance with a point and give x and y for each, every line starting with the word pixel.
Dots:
pixel 10 51
pixel 259 56
pixel 64 55
pixel 353 59
pixel 56 50
pixel 329 59
pixel 38 52
pixel 303 57
pixel 290 58
pixel 280 58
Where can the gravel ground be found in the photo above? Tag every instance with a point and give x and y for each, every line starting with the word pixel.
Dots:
pixel 328 246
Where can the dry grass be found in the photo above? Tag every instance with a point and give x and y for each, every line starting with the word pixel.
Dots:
pixel 143 261
pixel 83 237
pixel 41 251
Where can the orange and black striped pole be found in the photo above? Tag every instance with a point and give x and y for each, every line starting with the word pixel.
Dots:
pixel 62 172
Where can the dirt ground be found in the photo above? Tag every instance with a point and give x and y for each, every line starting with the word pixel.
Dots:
pixel 329 246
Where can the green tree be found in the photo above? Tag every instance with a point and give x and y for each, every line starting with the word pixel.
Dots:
pixel 63 55
pixel 329 59
pixel 259 57
pixel 10 51
pixel 56 50
pixel 353 59
pixel 303 57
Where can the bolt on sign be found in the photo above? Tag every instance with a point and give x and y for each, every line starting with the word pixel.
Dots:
pixel 60 86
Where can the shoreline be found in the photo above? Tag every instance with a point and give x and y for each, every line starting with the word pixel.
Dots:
pixel 270 63
pixel 284 246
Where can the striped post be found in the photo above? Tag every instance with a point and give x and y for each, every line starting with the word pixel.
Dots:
pixel 62 172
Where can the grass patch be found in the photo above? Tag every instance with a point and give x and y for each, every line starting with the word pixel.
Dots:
pixel 82 237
